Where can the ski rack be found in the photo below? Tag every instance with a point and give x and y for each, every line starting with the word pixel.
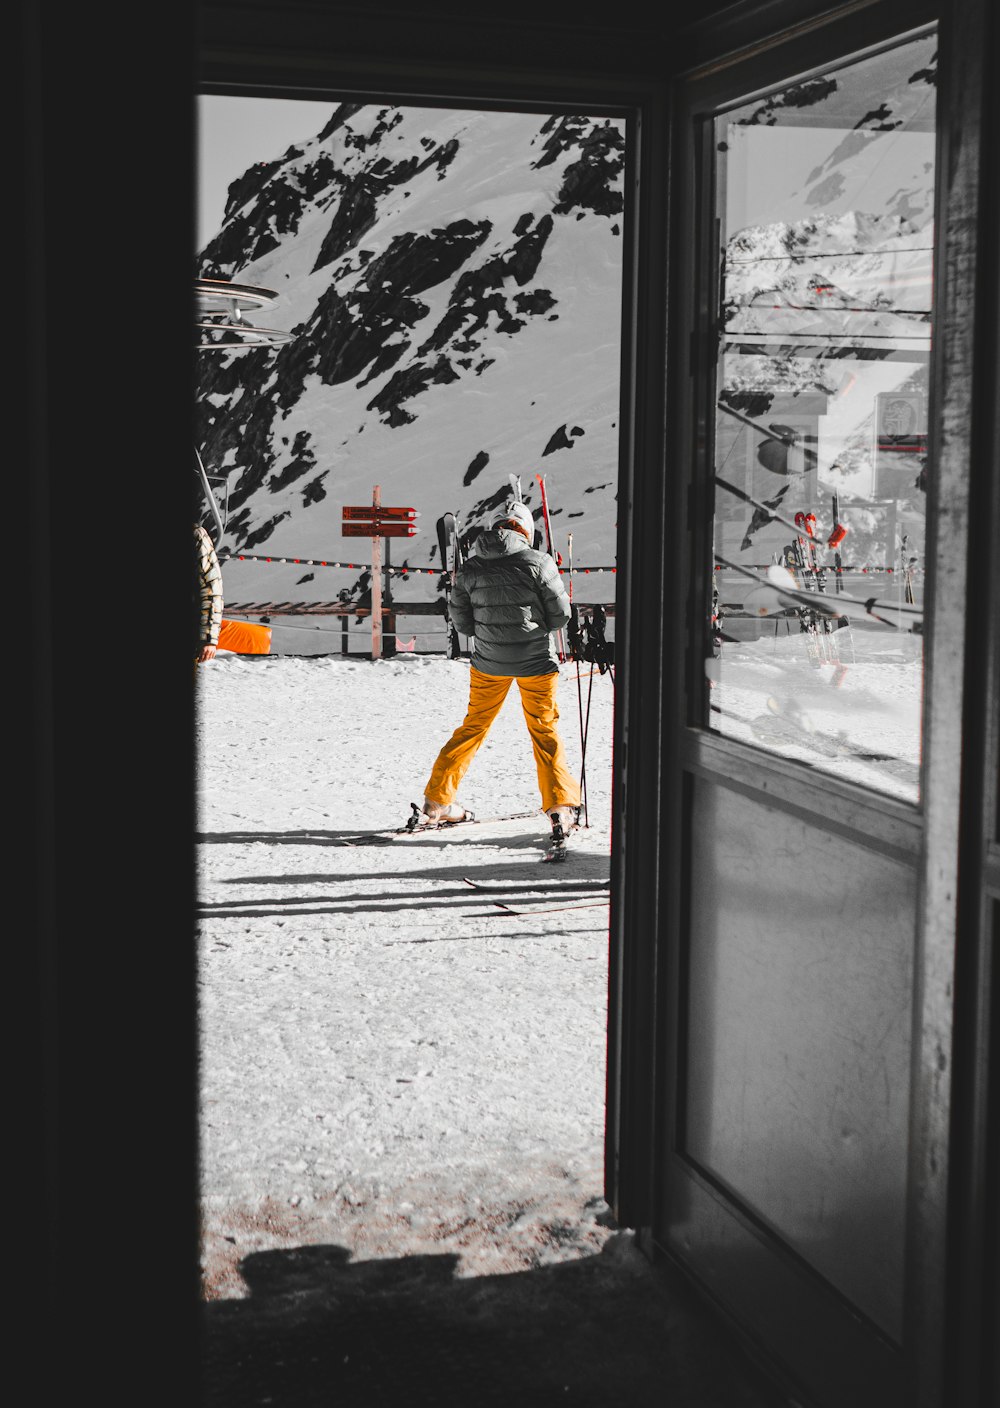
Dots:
pixel 825 605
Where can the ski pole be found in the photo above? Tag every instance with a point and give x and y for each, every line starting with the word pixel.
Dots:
pixel 583 751
pixel 577 654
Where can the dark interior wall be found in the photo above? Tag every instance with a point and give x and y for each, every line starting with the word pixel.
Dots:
pixel 591 37
pixel 99 669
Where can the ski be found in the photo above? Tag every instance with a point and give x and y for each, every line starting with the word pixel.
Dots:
pixel 550 547
pixel 414 827
pixel 449 542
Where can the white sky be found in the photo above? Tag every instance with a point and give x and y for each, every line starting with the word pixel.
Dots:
pixel 235 132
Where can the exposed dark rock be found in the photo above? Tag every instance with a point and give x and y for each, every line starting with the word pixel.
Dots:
pixel 355 214
pixel 477 292
pixel 387 358
pixel 415 263
pixel 262 534
pixel 313 492
pixel 444 156
pixel 408 383
pixel 345 334
pixel 250 184
pixel 302 461
pixel 236 524
pixel 341 115
pixel 358 208
pixel 564 132
pixel 262 207
pixel 539 300
pixel 477 466
pixel 559 440
pixel 587 182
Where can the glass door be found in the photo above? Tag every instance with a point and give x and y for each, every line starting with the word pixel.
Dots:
pixel 824 194
pixel 786 1148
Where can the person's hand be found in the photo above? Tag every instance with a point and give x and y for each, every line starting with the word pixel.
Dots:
pixel 207 652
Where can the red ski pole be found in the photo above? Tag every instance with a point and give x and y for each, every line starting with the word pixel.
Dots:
pixel 550 547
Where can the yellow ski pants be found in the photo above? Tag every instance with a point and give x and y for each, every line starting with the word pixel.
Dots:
pixel 556 783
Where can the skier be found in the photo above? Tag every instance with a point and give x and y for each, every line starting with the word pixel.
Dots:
pixel 510 598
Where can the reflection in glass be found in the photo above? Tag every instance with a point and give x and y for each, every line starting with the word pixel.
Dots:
pixel 825 195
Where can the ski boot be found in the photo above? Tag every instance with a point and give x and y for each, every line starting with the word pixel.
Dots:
pixel 564 820
pixel 434 815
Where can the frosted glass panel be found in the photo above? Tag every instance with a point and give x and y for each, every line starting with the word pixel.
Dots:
pixel 824 194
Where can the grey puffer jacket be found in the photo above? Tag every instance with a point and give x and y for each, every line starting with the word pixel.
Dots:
pixel 511 598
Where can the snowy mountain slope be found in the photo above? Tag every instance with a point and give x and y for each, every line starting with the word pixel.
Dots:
pixel 454 283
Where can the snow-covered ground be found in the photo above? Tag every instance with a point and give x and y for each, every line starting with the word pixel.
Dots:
pixel 855 714
pixel 391 1059
pixel 403 1038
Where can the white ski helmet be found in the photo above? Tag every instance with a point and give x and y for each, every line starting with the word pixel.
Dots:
pixel 514 512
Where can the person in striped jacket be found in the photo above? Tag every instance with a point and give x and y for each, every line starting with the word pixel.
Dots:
pixel 208 596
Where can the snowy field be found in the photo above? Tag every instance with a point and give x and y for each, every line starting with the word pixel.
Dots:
pixel 402 1040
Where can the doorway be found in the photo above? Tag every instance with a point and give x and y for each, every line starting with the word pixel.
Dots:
pixel 403 1039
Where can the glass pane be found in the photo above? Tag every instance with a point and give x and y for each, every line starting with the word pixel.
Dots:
pixel 825 193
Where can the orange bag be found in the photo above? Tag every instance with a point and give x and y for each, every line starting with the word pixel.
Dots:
pixel 244 639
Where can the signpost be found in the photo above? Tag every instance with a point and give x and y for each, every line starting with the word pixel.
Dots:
pixel 377 521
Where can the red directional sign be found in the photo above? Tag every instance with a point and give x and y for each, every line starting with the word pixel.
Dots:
pixel 368 512
pixel 378 530
pixel 398 514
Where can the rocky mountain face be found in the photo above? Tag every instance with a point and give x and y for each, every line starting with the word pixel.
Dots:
pixel 453 283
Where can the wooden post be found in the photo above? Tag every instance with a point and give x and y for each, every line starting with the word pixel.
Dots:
pixel 377 580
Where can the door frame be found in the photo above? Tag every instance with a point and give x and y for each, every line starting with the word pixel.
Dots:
pixel 950 834
pixel 262 45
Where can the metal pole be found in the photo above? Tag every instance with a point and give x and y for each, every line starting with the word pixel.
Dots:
pixel 210 497
pixel 388 615
pixel 376 580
